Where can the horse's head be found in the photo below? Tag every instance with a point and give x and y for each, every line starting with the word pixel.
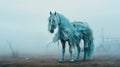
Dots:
pixel 53 21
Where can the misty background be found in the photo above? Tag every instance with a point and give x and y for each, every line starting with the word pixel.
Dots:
pixel 24 23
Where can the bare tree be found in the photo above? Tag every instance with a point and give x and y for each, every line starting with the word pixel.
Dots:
pixel 15 53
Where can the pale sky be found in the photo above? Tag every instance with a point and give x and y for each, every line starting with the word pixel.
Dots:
pixel 24 22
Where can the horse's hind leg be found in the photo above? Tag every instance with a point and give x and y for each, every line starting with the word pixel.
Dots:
pixel 63 51
pixel 78 51
pixel 85 50
pixel 70 51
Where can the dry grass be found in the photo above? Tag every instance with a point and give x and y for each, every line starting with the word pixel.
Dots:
pixel 42 61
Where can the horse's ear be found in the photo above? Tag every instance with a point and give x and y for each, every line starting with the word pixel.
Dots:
pixel 50 13
pixel 55 13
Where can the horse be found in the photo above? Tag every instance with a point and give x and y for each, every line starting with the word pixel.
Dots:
pixel 68 32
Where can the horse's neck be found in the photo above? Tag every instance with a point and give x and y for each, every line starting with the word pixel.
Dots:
pixel 64 28
pixel 63 23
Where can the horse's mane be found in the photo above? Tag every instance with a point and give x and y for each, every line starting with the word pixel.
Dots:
pixel 78 22
pixel 62 18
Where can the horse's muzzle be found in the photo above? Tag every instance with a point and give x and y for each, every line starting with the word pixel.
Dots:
pixel 51 31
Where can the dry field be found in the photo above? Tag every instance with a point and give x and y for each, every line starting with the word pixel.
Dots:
pixel 52 61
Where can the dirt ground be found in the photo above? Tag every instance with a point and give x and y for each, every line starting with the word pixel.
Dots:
pixel 52 61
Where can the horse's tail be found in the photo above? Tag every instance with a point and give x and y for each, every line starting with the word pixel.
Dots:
pixel 90 49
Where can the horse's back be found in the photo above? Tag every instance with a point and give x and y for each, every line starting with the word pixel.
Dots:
pixel 83 27
pixel 80 25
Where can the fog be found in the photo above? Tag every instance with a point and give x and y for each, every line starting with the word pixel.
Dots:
pixel 23 23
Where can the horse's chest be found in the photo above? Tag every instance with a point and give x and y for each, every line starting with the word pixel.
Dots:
pixel 65 34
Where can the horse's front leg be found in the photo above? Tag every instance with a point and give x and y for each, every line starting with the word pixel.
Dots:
pixel 70 51
pixel 63 51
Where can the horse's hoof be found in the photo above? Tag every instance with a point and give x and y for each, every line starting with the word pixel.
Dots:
pixel 71 61
pixel 61 61
pixel 90 59
pixel 76 60
pixel 84 60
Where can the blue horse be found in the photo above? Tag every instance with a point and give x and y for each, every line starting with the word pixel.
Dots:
pixel 71 33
